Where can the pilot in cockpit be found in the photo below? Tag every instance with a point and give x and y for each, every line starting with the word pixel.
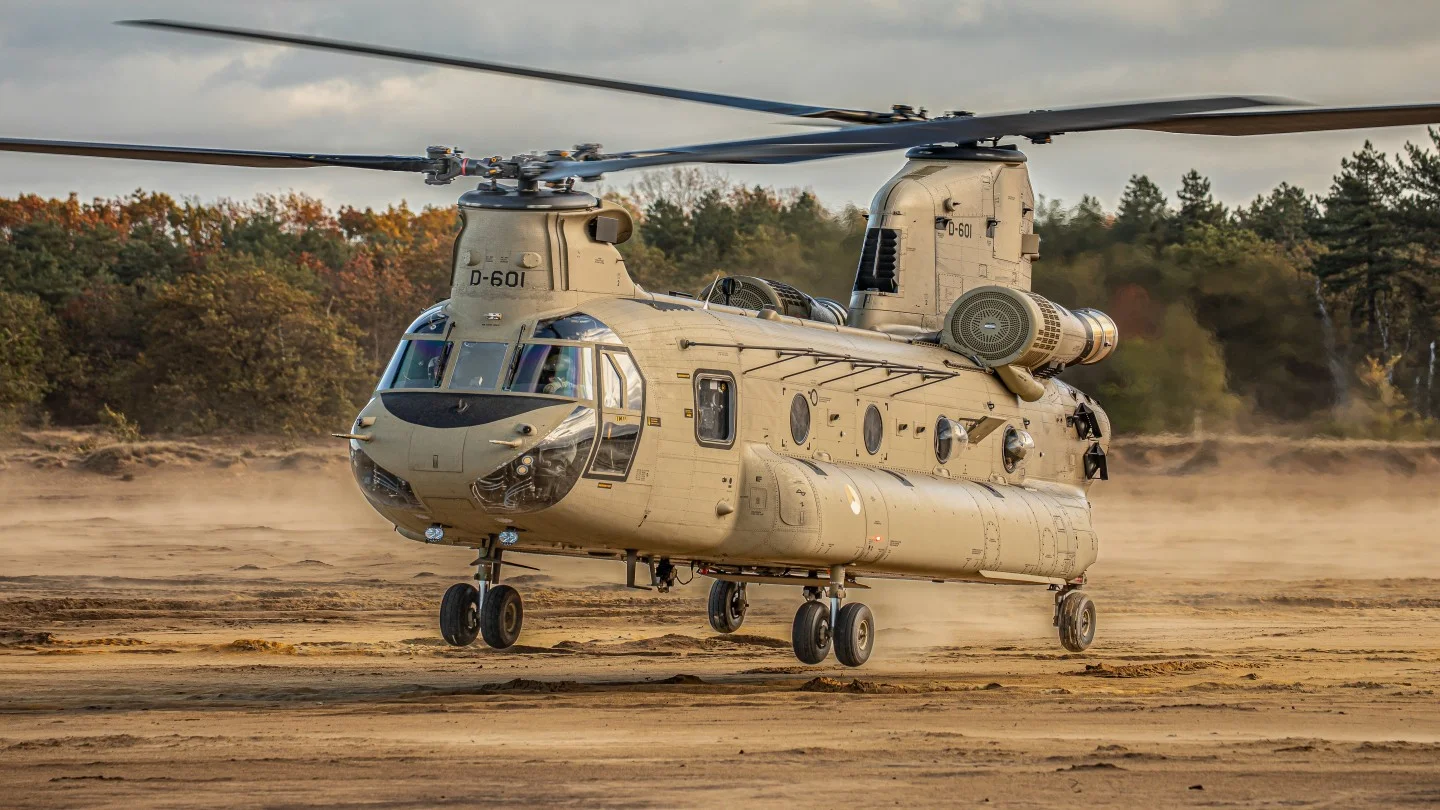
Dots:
pixel 558 375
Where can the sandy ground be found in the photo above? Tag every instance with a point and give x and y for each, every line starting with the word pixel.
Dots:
pixel 230 631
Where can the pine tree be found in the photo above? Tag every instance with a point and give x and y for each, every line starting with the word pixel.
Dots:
pixel 1144 213
pixel 1365 243
pixel 1197 205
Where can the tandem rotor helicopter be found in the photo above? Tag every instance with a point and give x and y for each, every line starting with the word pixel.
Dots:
pixel 752 433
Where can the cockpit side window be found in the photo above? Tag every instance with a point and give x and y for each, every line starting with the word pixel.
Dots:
pixel 577 326
pixel 421 364
pixel 542 368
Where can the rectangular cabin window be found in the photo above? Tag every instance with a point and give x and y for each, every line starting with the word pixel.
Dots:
pixel 714 408
pixel 479 366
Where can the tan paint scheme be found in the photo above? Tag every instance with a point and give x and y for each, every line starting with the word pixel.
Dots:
pixel 898 512
pixel 938 264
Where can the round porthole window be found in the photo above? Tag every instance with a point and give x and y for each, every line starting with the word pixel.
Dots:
pixel 874 429
pixel 799 419
pixel 949 435
pixel 1017 445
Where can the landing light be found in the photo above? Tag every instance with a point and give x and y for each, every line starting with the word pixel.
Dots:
pixel 509 537
pixel 435 533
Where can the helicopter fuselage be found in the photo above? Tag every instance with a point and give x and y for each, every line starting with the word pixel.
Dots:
pixel 539 410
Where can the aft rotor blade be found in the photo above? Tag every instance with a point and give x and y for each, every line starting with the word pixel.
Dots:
pixel 864 140
pixel 1275 122
pixel 406 55
pixel 222 157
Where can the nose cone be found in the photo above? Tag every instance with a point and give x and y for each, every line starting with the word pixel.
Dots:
pixel 433 453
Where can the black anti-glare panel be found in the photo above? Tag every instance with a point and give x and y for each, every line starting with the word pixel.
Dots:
pixel 442 409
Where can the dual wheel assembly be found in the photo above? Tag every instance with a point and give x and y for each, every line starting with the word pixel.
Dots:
pixel 495 616
pixel 818 626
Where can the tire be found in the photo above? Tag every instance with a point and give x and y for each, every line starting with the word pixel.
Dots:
pixel 854 634
pixel 1077 621
pixel 459 623
pixel 728 603
pixel 811 632
pixel 501 616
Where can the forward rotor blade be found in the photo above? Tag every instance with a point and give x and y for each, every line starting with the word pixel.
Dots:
pixel 865 140
pixel 221 157
pixel 1275 122
pixel 405 55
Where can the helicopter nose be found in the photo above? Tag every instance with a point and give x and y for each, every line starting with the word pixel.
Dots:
pixel 438 456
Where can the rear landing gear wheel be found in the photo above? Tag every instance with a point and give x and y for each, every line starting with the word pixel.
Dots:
pixel 501 616
pixel 1075 616
pixel 811 634
pixel 728 604
pixel 459 622
pixel 854 634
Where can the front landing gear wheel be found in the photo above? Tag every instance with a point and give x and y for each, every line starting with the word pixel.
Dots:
pixel 854 634
pixel 1075 616
pixel 459 623
pixel 811 632
pixel 501 616
pixel 727 606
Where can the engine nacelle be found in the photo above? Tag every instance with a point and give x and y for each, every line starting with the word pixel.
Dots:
pixel 1003 326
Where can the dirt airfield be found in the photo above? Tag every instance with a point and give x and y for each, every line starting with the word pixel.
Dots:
pixel 185 625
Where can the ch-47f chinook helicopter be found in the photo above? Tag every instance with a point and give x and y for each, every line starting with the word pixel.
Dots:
pixel 753 433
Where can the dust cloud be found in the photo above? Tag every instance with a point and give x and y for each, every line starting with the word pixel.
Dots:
pixel 176 616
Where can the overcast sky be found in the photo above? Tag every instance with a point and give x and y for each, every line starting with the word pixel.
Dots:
pixel 66 72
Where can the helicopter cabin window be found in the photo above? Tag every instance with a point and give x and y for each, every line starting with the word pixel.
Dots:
pixel 949 435
pixel 714 408
pixel 541 368
pixel 799 419
pixel 478 367
pixel 419 364
pixel 577 326
pixel 874 429
pixel 432 321
pixel 879 262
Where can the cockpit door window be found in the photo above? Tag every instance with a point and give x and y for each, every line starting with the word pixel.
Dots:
pixel 622 397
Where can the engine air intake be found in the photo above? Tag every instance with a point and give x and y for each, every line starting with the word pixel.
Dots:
pixel 879 257
pixel 760 294
pixel 1003 326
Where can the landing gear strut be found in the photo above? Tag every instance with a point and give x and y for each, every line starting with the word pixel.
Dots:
pixel 492 611
pixel 728 603
pixel 1075 619
pixel 818 626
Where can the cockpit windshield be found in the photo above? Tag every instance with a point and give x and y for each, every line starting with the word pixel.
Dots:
pixel 565 371
pixel 479 366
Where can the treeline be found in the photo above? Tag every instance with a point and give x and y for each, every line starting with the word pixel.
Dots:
pixel 1296 312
